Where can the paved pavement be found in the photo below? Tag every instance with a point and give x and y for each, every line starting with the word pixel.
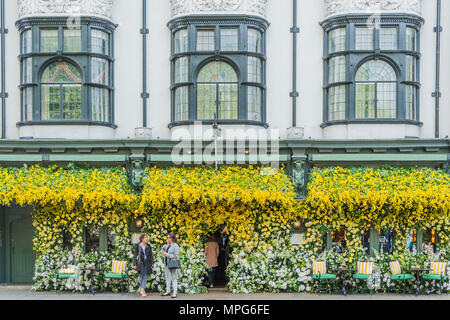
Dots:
pixel 25 293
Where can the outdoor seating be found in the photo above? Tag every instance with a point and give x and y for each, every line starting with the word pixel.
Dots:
pixel 364 271
pixel 396 273
pixel 320 273
pixel 65 273
pixel 437 274
pixel 118 271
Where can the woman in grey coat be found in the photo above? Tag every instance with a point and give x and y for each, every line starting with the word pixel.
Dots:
pixel 171 252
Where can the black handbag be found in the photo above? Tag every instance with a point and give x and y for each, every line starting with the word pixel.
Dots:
pixel 172 264
pixel 138 260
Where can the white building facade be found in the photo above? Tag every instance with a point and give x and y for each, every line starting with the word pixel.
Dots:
pixel 317 82
pixel 252 37
pixel 327 76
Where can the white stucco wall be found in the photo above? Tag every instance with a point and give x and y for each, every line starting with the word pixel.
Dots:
pixel 128 75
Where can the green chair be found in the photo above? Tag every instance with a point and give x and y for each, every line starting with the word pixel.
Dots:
pixel 364 272
pixel 320 273
pixel 65 273
pixel 118 271
pixel 438 274
pixel 397 275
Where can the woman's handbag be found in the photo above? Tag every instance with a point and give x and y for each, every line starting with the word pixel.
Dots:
pixel 174 264
pixel 138 260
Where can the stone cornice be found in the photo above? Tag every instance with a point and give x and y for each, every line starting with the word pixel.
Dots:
pixel 191 7
pixel 37 8
pixel 373 7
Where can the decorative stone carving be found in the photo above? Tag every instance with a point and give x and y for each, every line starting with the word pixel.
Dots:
pixel 102 8
pixel 187 7
pixel 372 6
pixel 137 173
pixel 299 177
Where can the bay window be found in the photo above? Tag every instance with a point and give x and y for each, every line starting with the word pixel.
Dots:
pixel 218 69
pixel 371 71
pixel 67 73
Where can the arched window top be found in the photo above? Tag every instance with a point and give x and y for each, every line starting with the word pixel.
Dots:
pixel 376 70
pixel 61 72
pixel 217 71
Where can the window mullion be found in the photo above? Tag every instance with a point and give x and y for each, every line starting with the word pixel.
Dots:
pixel 61 102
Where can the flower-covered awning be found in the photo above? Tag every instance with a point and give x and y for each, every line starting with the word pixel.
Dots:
pixel 87 188
pixel 254 203
pixel 403 196
pixel 204 185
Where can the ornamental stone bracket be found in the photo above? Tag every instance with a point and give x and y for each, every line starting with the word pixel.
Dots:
pixel 136 170
pixel 40 8
pixel 300 176
pixel 189 7
pixel 335 7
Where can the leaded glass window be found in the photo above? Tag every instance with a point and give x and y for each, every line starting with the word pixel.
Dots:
pixel 181 69
pixel 363 38
pixel 410 68
pixel 336 103
pixel 411 39
pixel 337 40
pixel 99 42
pixel 411 102
pixel 99 71
pixel 254 97
pixel 68 73
pixel 254 69
pixel 371 68
pixel 337 66
pixel 229 39
pixel 181 41
pixel 388 38
pixel 49 40
pixel 72 40
pixel 181 103
pixel 61 92
pixel 254 41
pixel 230 86
pixel 376 91
pixel 27 104
pixel 27 70
pixel 217 92
pixel 100 104
pixel 27 41
pixel 205 40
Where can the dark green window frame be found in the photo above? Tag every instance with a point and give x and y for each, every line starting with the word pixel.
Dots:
pixel 238 59
pixel 355 58
pixel 81 59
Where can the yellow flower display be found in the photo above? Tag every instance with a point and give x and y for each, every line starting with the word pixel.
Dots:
pixel 67 200
pixel 357 199
pixel 255 204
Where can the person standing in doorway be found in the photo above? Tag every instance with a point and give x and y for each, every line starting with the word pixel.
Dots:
pixel 143 262
pixel 212 254
pixel 171 252
pixel 224 252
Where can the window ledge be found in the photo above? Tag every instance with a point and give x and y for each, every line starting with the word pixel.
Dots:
pixel 66 123
pixel 347 122
pixel 220 122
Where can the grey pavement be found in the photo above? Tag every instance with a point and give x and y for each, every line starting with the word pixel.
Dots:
pixel 25 293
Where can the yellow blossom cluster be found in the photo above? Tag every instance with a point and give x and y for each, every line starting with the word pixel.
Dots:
pixel 357 199
pixel 64 201
pixel 255 204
